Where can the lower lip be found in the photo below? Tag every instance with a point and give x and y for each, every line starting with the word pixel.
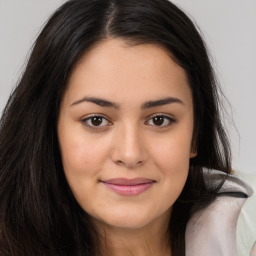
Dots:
pixel 129 190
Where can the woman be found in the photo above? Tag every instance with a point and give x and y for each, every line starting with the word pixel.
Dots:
pixel 105 141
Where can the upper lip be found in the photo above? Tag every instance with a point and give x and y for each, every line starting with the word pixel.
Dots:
pixel 128 182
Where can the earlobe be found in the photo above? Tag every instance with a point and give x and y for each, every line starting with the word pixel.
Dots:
pixel 193 152
pixel 194 144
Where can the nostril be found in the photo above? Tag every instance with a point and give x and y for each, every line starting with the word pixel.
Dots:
pixel 129 164
pixel 119 162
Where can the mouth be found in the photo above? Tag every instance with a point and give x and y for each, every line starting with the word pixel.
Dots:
pixel 129 187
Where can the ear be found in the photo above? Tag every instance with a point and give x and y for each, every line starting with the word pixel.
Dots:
pixel 193 153
pixel 193 150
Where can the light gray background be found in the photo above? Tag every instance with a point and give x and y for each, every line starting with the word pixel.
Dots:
pixel 229 27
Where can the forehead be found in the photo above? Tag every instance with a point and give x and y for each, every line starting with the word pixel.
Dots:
pixel 114 67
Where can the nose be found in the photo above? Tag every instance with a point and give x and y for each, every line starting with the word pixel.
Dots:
pixel 129 148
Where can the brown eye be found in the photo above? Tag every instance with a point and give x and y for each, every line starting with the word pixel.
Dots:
pixel 95 121
pixel 160 121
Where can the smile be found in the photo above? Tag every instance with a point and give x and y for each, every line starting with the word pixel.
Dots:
pixel 129 187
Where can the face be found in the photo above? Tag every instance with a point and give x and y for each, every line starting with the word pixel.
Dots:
pixel 125 132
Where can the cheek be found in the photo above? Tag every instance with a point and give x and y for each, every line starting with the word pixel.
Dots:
pixel 174 166
pixel 78 149
pixel 82 155
pixel 172 160
pixel 82 162
pixel 172 153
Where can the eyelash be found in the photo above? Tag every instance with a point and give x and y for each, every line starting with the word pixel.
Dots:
pixel 90 118
pixel 169 119
pixel 85 121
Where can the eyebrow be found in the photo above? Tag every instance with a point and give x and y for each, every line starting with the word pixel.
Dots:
pixel 146 105
pixel 161 102
pixel 97 101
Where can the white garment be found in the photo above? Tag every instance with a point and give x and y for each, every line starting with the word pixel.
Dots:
pixel 246 226
pixel 212 231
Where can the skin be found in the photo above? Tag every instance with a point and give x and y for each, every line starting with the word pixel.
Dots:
pixel 127 142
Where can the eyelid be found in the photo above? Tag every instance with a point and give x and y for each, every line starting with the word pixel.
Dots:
pixel 170 118
pixel 86 118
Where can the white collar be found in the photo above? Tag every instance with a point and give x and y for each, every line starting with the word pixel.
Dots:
pixel 212 231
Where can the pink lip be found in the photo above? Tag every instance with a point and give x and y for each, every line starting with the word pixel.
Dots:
pixel 128 187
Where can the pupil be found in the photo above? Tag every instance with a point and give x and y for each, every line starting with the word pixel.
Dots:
pixel 158 120
pixel 96 121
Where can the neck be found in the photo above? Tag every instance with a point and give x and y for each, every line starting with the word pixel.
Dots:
pixel 152 239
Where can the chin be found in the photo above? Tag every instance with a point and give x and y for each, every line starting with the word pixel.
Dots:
pixel 128 219
pixel 126 223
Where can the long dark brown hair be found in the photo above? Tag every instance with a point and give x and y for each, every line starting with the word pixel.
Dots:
pixel 38 213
